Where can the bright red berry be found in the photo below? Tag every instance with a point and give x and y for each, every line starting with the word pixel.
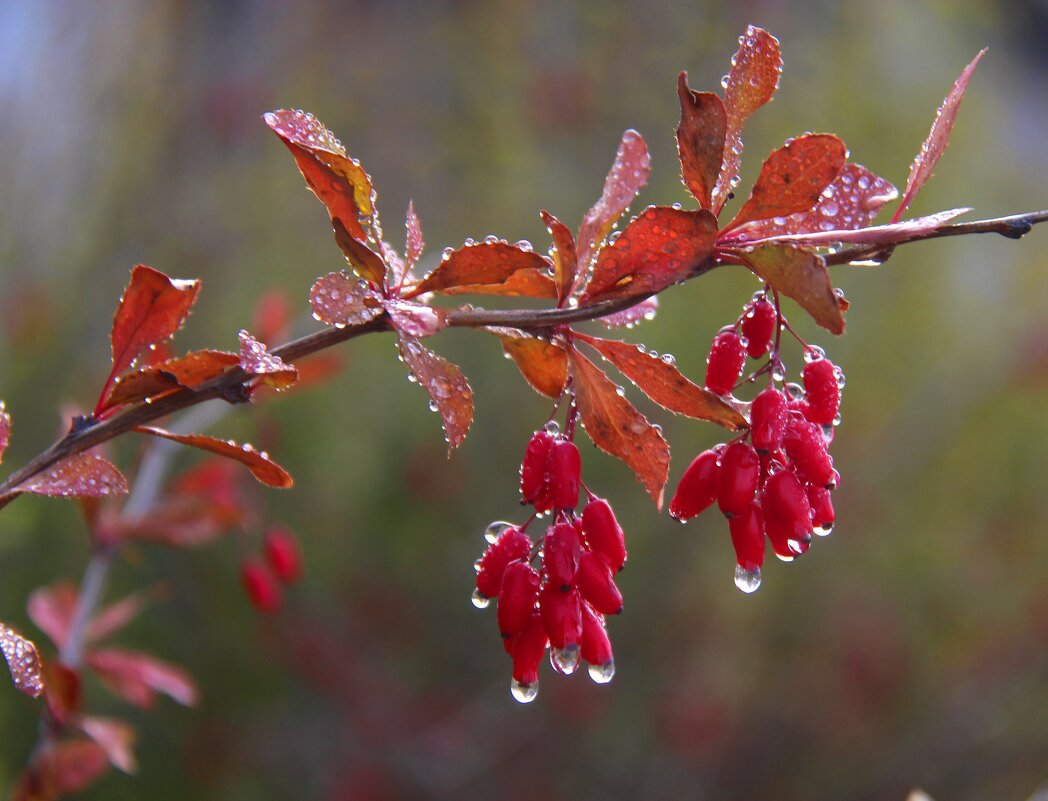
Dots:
pixel 511 545
pixel 283 555
pixel 724 365
pixel 806 447
pixel 534 470
pixel 747 537
pixel 785 501
pixel 261 586
pixel 697 489
pixel 561 616
pixel 768 416
pixel 527 649
pixel 758 326
pixel 822 390
pixel 565 469
pixel 603 533
pixel 822 514
pixel 737 479
pixel 596 646
pixel 517 596
pixel 778 537
pixel 597 585
pixel 560 555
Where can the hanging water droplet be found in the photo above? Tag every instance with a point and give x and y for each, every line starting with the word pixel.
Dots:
pixel 837 419
pixel 813 353
pixel 824 530
pixel 433 407
pixel 495 530
pixel 477 565
pixel 524 693
pixel 602 674
pixel 565 659
pixel 479 600
pixel 747 580
pixel 784 558
pixel 552 427
pixel 778 373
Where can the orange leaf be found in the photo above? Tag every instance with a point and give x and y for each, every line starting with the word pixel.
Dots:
pixel 137 677
pixel 660 247
pixel 801 275
pixel 543 364
pixel 190 370
pixel 261 466
pixel 700 140
pixel 793 177
pixel 565 259
pixel 449 392
pixel 661 381
pixel 364 261
pixel 629 172
pixel 255 359
pixel 481 264
pixel 526 283
pixel 339 299
pixel 23 660
pixel 617 428
pixel 79 476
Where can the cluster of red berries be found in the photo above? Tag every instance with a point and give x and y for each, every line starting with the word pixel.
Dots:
pixel 280 563
pixel 562 604
pixel 775 481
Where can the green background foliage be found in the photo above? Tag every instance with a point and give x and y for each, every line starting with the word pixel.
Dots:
pixel 907 650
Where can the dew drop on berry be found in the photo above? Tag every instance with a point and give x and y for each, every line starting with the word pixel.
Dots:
pixel 602 674
pixel 477 565
pixel 524 693
pixel 552 427
pixel 795 391
pixel 495 530
pixel 565 659
pixel 783 558
pixel 479 600
pixel 824 530
pixel 813 353
pixel 778 373
pixel 747 580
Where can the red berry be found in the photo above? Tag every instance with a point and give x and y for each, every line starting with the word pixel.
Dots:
pixel 260 585
pixel 823 393
pixel 747 537
pixel 534 471
pixel 560 555
pixel 768 416
pixel 527 649
pixel 724 365
pixel 517 595
pixel 596 647
pixel 597 586
pixel 283 555
pixel 806 449
pixel 561 616
pixel 603 533
pixel 737 480
pixel 758 326
pixel 778 537
pixel 785 501
pixel 511 545
pixel 822 514
pixel 697 489
pixel 565 468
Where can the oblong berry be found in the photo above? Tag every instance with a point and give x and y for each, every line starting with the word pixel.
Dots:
pixel 822 514
pixel 778 537
pixel 596 646
pixel 785 501
pixel 261 586
pixel 724 365
pixel 603 533
pixel 517 596
pixel 697 489
pixel 283 555
pixel 561 616
pixel 747 537
pixel 511 545
pixel 806 448
pixel 597 586
pixel 565 474
pixel 737 479
pixel 560 555
pixel 768 415
pixel 534 471
pixel 822 391
pixel 758 326
pixel 527 649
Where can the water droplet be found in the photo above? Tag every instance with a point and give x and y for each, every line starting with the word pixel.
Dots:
pixel 824 530
pixel 724 81
pixel 479 600
pixel 602 674
pixel 565 659
pixel 552 427
pixel 433 407
pixel 777 373
pixel 747 580
pixel 784 558
pixel 620 391
pixel 524 693
pixel 813 353
pixel 495 530
pixel 668 358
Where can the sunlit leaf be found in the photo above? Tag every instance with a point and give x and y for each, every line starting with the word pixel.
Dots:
pixel 449 392
pixel 5 430
pixel 256 360
pixel 23 661
pixel 138 677
pixel 339 299
pixel 415 319
pixel 261 466
pixel 700 140
pixel 115 737
pixel 660 380
pixel 66 767
pixel 482 264
pixel 753 79
pixel 526 283
pixel 801 275
pixel 645 310
pixel 617 428
pixel 414 236
pixel 543 364
pixel 793 178
pixel 190 370
pixel 660 247
pixel 79 476
pixel 938 137
pixel 629 173
pixel 565 259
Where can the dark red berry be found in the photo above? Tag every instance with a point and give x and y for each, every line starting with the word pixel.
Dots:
pixel 527 650
pixel 283 555
pixel 511 545
pixel 565 468
pixel 596 646
pixel 806 448
pixel 261 586
pixel 597 586
pixel 724 365
pixel 747 537
pixel 561 616
pixel 785 501
pixel 823 393
pixel 697 489
pixel 822 514
pixel 758 326
pixel 768 416
pixel 737 479
pixel 603 533
pixel 560 555
pixel 534 470
pixel 517 596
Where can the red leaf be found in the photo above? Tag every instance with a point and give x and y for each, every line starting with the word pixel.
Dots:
pixel 660 247
pixel 255 359
pixel 79 476
pixel 272 316
pixel 661 381
pixel 447 387
pixel 5 430
pixel 51 609
pixel 415 244
pixel 115 737
pixel 565 259
pixel 364 261
pixel 526 283
pixel 339 299
pixel 186 522
pixel 67 767
pixel 849 203
pixel 137 677
pixel 629 172
pixel 754 77
pixel 258 462
pixel 23 661
pixel 151 310
pixel 190 370
pixel 543 364
pixel 118 614
pixel 801 275
pixel 645 310
pixel 415 319
pixel 617 428
pixel 481 264
pixel 700 140
pixel 938 137
pixel 793 177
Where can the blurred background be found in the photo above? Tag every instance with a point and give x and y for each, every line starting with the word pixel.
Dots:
pixel 908 649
